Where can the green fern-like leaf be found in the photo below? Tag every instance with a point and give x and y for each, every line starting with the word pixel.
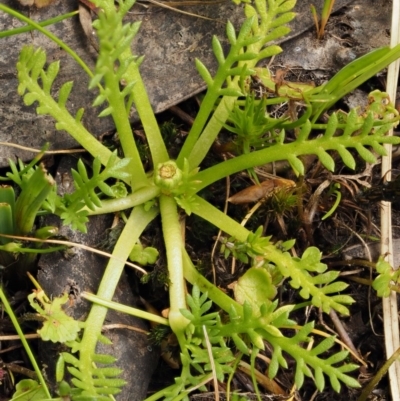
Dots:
pixel 247 48
pixel 199 305
pixel 250 123
pixel 71 208
pixel 35 84
pixel 253 324
pixel 272 16
pixel 202 336
pixel 254 327
pixel 309 360
pixel 298 271
pixel 361 130
pixel 104 380
pixel 76 217
pixel 110 67
pixel 306 273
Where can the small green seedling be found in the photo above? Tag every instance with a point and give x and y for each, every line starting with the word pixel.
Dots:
pixel 325 14
pixel 18 214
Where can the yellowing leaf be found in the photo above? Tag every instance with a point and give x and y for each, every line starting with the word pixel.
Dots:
pixel 58 326
pixel 255 287
pixel 29 390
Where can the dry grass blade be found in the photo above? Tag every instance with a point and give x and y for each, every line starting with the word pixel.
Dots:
pixel 76 245
pixel 262 379
pixel 172 5
pixel 45 152
pixel 212 363
pixel 390 312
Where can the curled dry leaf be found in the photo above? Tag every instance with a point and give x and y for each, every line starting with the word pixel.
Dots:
pixel 85 18
pixel 255 193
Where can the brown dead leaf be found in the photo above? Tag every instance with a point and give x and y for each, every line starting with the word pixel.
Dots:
pixel 85 18
pixel 255 193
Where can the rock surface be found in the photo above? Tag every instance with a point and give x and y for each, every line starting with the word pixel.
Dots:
pixel 169 40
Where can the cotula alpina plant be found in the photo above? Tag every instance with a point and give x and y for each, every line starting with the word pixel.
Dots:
pixel 245 322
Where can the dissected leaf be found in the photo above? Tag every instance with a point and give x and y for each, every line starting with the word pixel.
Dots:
pixel 58 326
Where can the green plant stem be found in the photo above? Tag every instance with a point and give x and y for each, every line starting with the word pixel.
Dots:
pixel 143 107
pixel 141 100
pixel 280 152
pixel 124 129
pixel 222 221
pixel 338 196
pixel 196 147
pixel 191 145
pixel 240 163
pixel 174 246
pixel 378 376
pixel 207 138
pixel 12 247
pixel 137 198
pixel 137 222
pixel 226 224
pixel 125 309
pixel 45 32
pixel 214 293
pixel 25 344
pixel 253 356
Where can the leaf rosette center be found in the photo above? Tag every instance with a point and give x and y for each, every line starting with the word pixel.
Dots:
pixel 168 175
